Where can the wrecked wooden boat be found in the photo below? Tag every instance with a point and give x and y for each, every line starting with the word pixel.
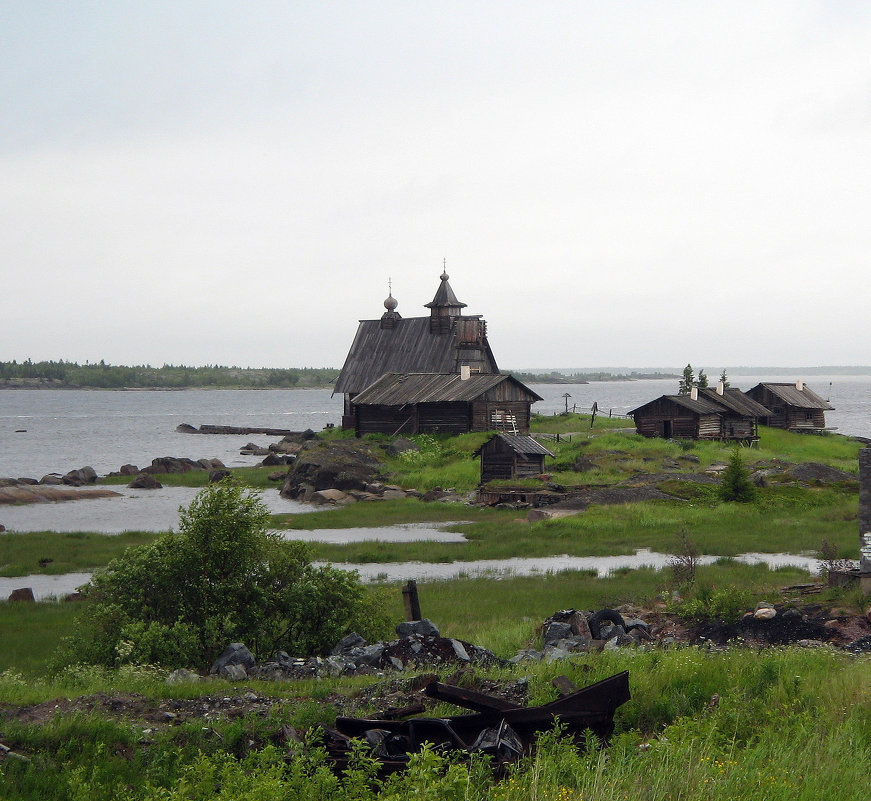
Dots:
pixel 496 727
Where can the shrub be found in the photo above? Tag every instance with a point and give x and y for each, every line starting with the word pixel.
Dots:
pixel 180 600
pixel 684 561
pixel 727 604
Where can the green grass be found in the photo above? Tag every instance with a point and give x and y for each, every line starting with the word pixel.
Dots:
pixel 73 552
pixel 777 725
pixel 31 632
pixel 786 723
pixel 504 617
pixel 255 477
pixel 570 423
pixel 782 519
pixel 385 513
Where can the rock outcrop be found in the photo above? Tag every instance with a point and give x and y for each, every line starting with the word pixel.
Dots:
pixel 30 493
pixel 343 465
pixel 180 464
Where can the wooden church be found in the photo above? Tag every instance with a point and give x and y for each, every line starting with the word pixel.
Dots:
pixel 435 373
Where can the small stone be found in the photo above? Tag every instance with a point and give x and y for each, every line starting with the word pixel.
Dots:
pixel 233 672
pixel 182 676
pixel 460 651
pixel 423 627
pixel 556 632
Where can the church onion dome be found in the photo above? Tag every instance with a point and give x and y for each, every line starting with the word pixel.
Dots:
pixel 444 296
pixel 390 317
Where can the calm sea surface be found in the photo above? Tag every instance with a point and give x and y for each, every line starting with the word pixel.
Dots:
pixel 45 431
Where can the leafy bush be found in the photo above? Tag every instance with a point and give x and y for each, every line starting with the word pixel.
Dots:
pixel 180 600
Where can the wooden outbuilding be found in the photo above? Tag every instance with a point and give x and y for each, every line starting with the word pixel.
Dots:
pixel 794 407
pixel 703 414
pixel 445 341
pixel 447 403
pixel 510 456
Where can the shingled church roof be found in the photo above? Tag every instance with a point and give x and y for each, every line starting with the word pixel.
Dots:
pixel 395 344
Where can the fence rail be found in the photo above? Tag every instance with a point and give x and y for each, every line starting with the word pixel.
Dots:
pixel 599 413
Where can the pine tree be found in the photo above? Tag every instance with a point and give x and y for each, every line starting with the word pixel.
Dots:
pixel 702 381
pixel 687 382
pixel 736 484
pixel 725 379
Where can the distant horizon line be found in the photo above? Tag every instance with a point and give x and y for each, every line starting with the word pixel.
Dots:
pixel 828 369
pixel 842 369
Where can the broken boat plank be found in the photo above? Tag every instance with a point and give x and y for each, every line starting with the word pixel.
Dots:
pixel 468 699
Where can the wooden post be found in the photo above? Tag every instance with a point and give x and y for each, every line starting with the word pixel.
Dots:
pixel 410 600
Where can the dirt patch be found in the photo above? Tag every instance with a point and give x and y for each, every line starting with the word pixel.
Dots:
pixel 245 702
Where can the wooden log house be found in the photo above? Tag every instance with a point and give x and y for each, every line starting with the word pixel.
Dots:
pixel 718 414
pixel 445 342
pixel 794 407
pixel 507 456
pixel 447 403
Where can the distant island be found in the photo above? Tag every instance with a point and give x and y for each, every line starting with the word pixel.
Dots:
pixel 100 375
pixel 557 377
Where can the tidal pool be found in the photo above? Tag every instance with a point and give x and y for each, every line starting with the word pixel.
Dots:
pixel 47 586
pixel 603 565
pixel 405 532
pixel 132 510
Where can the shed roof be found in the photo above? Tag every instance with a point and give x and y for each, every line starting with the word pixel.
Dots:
pixel 399 389
pixel 519 443
pixel 800 398
pixel 735 400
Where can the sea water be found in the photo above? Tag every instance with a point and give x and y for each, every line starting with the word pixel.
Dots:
pixel 45 431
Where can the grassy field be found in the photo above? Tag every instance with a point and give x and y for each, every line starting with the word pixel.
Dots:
pixel 786 723
pixel 703 723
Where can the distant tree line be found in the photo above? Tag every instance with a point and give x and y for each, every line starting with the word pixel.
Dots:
pixel 555 377
pixel 99 375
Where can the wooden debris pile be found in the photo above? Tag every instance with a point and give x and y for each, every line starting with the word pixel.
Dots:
pixel 496 727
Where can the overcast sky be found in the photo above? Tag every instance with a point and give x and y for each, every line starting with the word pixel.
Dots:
pixel 610 182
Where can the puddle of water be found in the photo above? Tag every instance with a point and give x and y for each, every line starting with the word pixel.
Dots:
pixel 46 586
pixel 603 565
pixel 408 532
pixel 133 510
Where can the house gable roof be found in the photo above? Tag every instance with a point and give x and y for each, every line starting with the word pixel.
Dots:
pixel 792 396
pixel 400 389
pixel 700 406
pixel 736 401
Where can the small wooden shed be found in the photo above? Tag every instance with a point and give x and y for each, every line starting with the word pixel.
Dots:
pixel 794 407
pixel 511 456
pixel 447 403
